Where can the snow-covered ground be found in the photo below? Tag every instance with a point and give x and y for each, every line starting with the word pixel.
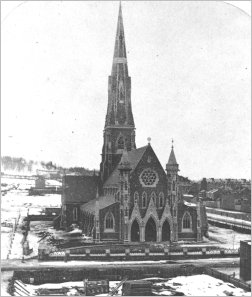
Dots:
pixel 198 285
pixel 226 238
pixel 228 219
pixel 194 285
pixel 17 202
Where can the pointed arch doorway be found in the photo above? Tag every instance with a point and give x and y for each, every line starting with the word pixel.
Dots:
pixel 135 231
pixel 150 230
pixel 166 231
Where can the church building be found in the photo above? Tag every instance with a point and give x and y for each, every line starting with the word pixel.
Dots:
pixel 133 199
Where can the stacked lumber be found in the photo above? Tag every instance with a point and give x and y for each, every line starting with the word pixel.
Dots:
pixel 137 288
pixel 21 289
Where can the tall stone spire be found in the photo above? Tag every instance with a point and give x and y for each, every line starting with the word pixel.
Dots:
pixel 119 131
pixel 120 55
pixel 119 86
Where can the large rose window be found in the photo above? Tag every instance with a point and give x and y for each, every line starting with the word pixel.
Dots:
pixel 149 178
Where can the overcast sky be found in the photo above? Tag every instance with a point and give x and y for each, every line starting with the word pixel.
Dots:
pixel 189 63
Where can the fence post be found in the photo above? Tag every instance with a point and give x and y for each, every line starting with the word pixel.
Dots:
pixel 185 250
pixel 127 253
pixel 147 252
pixel 108 252
pixel 166 251
pixel 222 252
pixel 87 251
pixel 67 255
pixel 204 251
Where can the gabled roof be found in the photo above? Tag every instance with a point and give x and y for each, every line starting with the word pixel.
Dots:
pixel 103 202
pixel 134 157
pixel 79 189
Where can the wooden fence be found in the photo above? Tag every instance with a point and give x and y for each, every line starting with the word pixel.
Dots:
pixel 84 253
pixel 227 278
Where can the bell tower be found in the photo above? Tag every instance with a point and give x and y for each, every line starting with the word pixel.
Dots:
pixel 119 130
pixel 172 169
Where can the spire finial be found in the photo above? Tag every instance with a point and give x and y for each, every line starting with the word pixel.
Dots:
pixel 172 143
pixel 149 140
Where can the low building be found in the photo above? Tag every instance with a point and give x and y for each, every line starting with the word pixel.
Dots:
pixel 77 190
pixel 245 260
pixel 213 194
pixel 239 200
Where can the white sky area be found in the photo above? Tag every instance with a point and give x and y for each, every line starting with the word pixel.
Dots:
pixel 189 63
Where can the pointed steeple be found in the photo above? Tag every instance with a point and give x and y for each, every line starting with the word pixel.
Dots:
pixel 172 162
pixel 172 159
pixel 120 49
pixel 120 56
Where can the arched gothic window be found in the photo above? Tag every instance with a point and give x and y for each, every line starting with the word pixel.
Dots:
pixel 75 214
pixel 173 186
pixel 121 92
pixel 161 199
pixel 136 198
pixel 154 197
pixel 120 142
pixel 186 222
pixel 144 200
pixel 109 221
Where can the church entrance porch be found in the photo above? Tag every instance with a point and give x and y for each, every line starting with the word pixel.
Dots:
pixel 150 230
pixel 166 231
pixel 135 231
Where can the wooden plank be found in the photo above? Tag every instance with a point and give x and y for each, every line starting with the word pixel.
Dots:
pixel 20 283
pixel 20 291
pixel 21 287
pixel 114 291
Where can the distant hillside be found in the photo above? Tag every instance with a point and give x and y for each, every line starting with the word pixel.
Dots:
pixel 12 165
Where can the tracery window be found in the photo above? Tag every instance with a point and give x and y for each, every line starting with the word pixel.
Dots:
pixel 109 221
pixel 136 198
pixel 149 178
pixel 186 222
pixel 161 199
pixel 144 200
